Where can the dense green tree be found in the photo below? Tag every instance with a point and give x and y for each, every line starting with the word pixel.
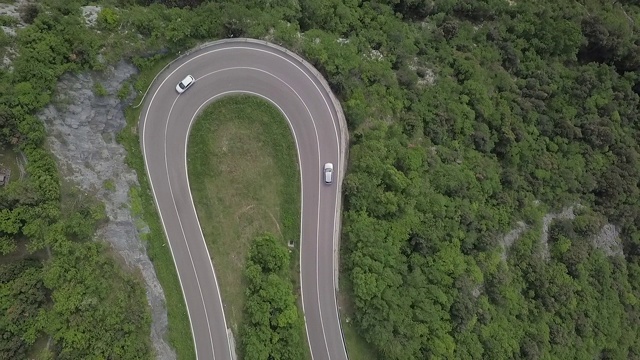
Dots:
pixel 22 296
pixel 273 326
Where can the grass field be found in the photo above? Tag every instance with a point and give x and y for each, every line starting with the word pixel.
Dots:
pixel 243 173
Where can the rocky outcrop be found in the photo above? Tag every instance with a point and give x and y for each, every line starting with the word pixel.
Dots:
pixel 82 129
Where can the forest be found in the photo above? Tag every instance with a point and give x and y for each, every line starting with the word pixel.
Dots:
pixel 467 117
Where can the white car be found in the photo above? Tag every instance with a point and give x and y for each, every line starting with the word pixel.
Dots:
pixel 328 173
pixel 184 84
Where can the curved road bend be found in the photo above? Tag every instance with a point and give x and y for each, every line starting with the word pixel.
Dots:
pixel 250 67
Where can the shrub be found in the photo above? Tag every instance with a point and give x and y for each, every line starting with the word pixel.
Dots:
pixel 6 20
pixel 99 90
pixel 108 19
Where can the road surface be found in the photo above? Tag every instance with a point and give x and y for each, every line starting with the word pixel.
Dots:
pixel 242 66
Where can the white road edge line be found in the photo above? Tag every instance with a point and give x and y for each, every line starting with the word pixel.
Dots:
pixel 184 236
pixel 207 102
pixel 299 166
pixel 144 154
pixel 337 170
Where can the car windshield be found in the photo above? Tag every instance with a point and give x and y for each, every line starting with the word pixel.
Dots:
pixel 181 84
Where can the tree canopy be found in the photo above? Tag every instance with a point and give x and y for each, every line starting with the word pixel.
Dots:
pixel 466 117
pixel 274 326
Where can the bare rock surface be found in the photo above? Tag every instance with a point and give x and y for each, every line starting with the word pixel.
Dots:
pixel 608 240
pixel 13 10
pixel 90 14
pixel 9 10
pixel 511 237
pixel 82 129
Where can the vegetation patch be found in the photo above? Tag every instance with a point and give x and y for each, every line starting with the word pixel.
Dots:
pixel 6 20
pixel 357 346
pixel 244 177
pixel 273 322
pixel 99 90
pixel 109 185
pixel 63 285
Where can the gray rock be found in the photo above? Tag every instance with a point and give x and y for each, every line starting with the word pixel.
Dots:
pixel 81 136
pixel 608 240
pixel 90 14
pixel 9 10
pixel 9 31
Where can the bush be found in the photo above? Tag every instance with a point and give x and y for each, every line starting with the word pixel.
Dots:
pixel 124 91
pixel 6 20
pixel 108 19
pixel 99 89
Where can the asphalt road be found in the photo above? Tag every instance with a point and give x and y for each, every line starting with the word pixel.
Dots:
pixel 233 67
